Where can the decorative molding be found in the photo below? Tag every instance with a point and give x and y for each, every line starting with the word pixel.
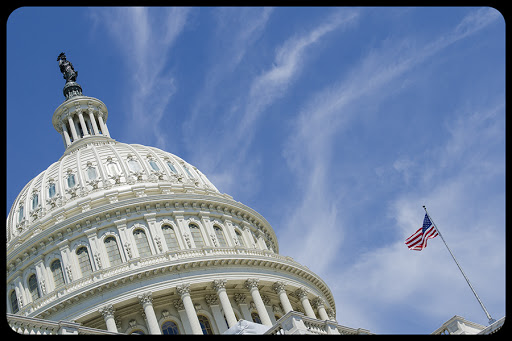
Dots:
pixel 240 298
pixel 219 284
pixel 145 298
pixel 183 289
pixel 107 311
pixel 252 283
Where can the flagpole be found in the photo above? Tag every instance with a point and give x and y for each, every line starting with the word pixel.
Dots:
pixel 491 320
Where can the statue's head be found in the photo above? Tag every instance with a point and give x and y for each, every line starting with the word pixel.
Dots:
pixel 62 56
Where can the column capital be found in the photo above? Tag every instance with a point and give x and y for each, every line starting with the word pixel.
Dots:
pixel 219 284
pixel 301 293
pixel 318 302
pixel 145 298
pixel 252 283
pixel 107 310
pixel 279 287
pixel 183 289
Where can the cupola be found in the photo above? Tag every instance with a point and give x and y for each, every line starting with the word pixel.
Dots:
pixel 80 119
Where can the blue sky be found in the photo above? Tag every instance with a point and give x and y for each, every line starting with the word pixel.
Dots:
pixel 336 124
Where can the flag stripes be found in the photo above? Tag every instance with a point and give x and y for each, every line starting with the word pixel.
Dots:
pixel 418 241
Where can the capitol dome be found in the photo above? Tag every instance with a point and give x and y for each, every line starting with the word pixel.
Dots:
pixel 132 239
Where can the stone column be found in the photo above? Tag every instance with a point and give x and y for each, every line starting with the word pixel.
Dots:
pixel 72 127
pixel 184 291
pixel 82 124
pixel 103 126
pixel 252 285
pixel 66 135
pixel 279 288
pixel 93 122
pixel 320 306
pixel 108 314
pixel 220 286
pixel 146 301
pixel 302 294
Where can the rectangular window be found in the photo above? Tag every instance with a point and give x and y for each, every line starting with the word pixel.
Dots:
pixel 20 216
pixel 35 201
pixel 71 180
pixel 51 190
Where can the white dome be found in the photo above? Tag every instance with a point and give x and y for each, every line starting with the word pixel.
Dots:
pixel 100 170
pixel 150 233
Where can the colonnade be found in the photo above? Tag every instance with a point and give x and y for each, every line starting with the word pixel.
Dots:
pixel 79 124
pixel 187 310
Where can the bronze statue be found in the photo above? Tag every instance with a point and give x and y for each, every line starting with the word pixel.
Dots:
pixel 66 68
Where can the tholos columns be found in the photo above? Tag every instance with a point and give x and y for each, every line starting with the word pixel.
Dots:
pixel 147 304
pixel 279 288
pixel 252 285
pixel 320 306
pixel 220 286
pixel 302 294
pixel 184 292
pixel 108 314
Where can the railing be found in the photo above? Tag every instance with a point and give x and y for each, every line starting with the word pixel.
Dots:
pixel 295 322
pixel 31 325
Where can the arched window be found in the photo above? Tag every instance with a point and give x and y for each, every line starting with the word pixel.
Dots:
pixel 14 302
pixel 220 236
pixel 239 238
pixel 205 325
pixel 142 243
pixel 256 318
pixel 196 235
pixel 84 261
pixel 58 277
pixel 170 328
pixel 114 257
pixel 33 288
pixel 170 237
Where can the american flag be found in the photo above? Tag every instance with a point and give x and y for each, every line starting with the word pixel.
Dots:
pixel 418 241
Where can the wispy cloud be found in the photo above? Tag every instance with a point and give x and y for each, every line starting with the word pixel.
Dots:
pixel 288 62
pixel 327 114
pixel 266 88
pixel 145 37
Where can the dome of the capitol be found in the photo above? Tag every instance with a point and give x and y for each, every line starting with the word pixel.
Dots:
pixel 99 173
pixel 131 239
